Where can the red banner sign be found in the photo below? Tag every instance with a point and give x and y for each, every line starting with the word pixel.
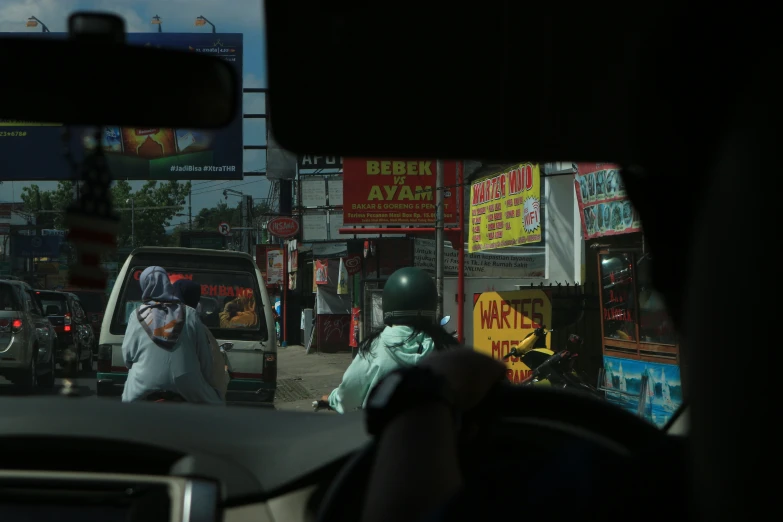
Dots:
pixel 395 192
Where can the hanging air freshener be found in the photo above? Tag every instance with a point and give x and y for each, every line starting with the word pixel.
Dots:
pixel 91 222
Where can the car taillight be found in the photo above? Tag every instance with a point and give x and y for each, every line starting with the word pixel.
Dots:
pixel 67 328
pixel 104 358
pixel 67 319
pixel 270 368
pixel 16 325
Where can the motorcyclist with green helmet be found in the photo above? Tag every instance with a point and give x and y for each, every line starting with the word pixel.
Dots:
pixel 412 332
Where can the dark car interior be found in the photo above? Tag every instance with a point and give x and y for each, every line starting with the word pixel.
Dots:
pixel 682 95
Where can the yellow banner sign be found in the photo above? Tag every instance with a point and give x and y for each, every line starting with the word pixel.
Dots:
pixel 505 209
pixel 501 320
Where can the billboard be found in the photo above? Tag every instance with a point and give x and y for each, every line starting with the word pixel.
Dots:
pixel 32 151
pixel 396 192
pixel 505 209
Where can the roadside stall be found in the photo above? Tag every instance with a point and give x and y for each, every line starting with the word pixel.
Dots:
pixel 640 348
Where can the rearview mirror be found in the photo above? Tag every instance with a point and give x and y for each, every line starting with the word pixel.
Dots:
pixel 445 320
pixel 184 89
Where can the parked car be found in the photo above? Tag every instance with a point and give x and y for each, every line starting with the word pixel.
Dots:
pixel 94 304
pixel 27 340
pixel 234 306
pixel 74 332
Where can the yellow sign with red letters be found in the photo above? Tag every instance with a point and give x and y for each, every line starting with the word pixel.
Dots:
pixel 501 320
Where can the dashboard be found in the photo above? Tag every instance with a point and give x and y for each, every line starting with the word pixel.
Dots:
pixel 103 460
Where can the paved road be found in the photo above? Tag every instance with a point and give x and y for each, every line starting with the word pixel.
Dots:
pixel 83 383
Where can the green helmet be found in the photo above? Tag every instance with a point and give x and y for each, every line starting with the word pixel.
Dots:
pixel 410 297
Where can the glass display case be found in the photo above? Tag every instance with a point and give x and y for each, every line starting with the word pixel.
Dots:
pixel 634 320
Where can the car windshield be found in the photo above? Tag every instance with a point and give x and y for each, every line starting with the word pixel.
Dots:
pixel 294 250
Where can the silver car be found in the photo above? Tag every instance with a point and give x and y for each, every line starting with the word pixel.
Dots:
pixel 27 339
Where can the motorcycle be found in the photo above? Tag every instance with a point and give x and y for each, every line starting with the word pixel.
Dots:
pixel 551 368
pixel 169 396
pixel 452 334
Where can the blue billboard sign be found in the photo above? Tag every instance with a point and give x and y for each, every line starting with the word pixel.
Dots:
pixel 33 151
pixel 36 246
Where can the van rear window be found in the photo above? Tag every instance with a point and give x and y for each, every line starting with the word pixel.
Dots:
pixel 228 299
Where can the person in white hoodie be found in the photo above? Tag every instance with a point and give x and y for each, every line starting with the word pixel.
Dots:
pixel 412 332
pixel 165 346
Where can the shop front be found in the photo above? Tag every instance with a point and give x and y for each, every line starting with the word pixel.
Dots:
pixel 641 362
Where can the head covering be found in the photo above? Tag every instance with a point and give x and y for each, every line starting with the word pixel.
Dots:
pixel 161 314
pixel 189 292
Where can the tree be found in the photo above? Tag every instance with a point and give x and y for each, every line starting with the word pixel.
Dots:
pixel 58 200
pixel 209 218
pixel 157 204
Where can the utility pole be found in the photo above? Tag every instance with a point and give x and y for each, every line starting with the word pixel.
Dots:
pixel 133 221
pixel 249 223
pixel 190 206
pixel 439 217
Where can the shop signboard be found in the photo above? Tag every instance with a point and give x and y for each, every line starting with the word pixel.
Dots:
pixel 530 265
pixel 313 192
pixel 313 162
pixel 505 209
pixel 501 320
pixel 283 227
pixel 395 192
pixel 660 398
pixel 135 153
pixel 604 207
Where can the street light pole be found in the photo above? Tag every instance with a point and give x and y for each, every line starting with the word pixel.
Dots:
pixel 201 20
pixel 439 218
pixel 36 21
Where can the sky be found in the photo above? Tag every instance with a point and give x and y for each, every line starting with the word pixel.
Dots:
pixel 177 16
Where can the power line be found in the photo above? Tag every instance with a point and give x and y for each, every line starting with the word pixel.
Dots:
pixel 232 186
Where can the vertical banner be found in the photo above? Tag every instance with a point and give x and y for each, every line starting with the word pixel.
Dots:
pixel 354 339
pixel 321 272
pixel 342 279
pixel 396 192
pixel 505 209
pixel 274 266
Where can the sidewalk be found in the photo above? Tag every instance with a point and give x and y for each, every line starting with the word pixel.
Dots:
pixel 303 378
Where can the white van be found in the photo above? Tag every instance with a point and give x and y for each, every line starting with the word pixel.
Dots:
pixel 230 286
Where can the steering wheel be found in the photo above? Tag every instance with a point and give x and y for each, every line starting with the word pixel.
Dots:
pixel 510 413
